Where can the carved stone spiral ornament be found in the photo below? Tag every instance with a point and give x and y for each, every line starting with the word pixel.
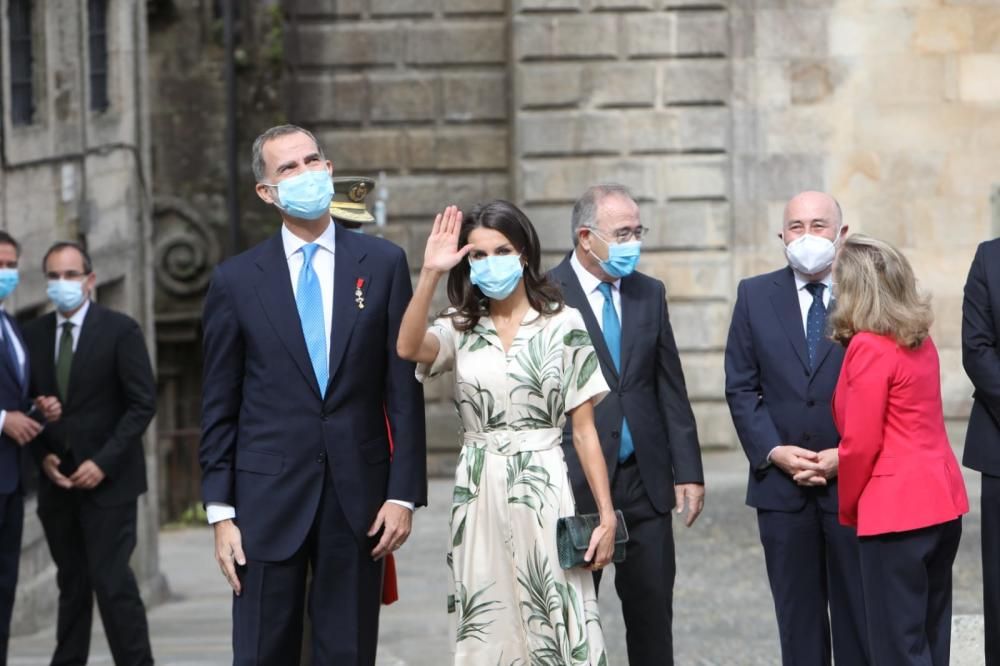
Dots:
pixel 185 248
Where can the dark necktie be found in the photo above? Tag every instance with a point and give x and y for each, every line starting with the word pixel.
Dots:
pixel 64 360
pixel 10 351
pixel 612 330
pixel 815 321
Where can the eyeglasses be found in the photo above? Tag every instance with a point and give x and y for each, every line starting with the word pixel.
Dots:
pixel 625 234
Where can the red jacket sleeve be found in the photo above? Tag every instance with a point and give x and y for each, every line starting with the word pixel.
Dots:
pixel 861 405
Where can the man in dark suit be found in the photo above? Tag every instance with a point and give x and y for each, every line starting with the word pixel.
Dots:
pixel 301 381
pixel 645 424
pixel 19 424
pixel 781 371
pixel 92 459
pixel 981 358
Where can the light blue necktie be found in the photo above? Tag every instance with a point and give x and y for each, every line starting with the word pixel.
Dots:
pixel 815 321
pixel 309 301
pixel 612 330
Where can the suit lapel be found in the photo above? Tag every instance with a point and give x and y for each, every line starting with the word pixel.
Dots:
pixel 347 272
pixel 785 299
pixel 630 319
pixel 575 298
pixel 89 334
pixel 47 369
pixel 20 375
pixel 274 289
pixel 26 375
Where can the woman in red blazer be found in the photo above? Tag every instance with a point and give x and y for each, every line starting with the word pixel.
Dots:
pixel 900 484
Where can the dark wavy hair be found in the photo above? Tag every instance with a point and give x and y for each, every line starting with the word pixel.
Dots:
pixel 468 302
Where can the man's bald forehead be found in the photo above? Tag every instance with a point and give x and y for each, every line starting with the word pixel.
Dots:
pixel 813 204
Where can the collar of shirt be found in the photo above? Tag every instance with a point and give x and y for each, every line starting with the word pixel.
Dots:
pixel 801 282
pixel 76 319
pixel 588 281
pixel 292 243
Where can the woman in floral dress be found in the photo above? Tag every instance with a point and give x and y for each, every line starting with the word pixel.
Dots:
pixel 522 363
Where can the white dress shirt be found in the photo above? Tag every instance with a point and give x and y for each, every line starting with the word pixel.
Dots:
pixel 18 350
pixel 590 283
pixel 322 265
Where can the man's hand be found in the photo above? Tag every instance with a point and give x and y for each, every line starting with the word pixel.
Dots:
pixel 87 476
pixel 49 406
pixel 229 552
pixel 828 460
pixel 20 427
pixel 395 522
pixel 794 459
pixel 692 497
pixel 50 465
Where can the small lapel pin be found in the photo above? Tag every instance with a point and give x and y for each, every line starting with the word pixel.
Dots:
pixel 359 295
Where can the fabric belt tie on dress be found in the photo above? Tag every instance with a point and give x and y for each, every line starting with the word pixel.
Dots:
pixel 512 442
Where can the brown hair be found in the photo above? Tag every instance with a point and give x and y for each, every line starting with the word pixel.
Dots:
pixel 468 302
pixel 877 293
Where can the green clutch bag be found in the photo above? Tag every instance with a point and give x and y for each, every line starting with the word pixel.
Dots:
pixel 573 538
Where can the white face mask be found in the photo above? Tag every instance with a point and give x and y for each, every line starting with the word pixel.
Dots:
pixel 809 254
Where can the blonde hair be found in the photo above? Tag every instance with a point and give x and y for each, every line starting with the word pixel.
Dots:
pixel 877 292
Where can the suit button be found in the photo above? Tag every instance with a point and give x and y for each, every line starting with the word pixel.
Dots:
pixel 811 403
pixel 321 458
pixel 614 435
pixel 324 418
pixel 806 437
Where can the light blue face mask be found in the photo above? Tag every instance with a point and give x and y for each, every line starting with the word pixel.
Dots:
pixel 306 196
pixel 66 295
pixel 622 257
pixel 9 277
pixel 496 276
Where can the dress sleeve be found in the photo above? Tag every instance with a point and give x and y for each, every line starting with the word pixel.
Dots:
pixel 444 331
pixel 582 376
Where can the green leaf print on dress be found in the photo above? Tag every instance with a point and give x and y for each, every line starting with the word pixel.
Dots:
pixel 462 496
pixel 528 484
pixel 471 612
pixel 483 405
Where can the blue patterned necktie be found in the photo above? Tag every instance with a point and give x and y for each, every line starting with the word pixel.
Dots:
pixel 309 301
pixel 815 321
pixel 612 330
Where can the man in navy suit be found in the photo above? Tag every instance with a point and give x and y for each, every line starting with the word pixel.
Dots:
pixel 646 425
pixel 781 371
pixel 981 358
pixel 301 381
pixel 17 428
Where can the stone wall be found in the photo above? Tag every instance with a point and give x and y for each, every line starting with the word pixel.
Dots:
pixel 894 107
pixel 636 92
pixel 75 174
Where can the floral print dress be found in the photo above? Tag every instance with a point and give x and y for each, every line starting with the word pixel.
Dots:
pixel 512 604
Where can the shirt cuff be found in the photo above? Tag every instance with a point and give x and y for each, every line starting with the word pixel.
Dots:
pixel 3 418
pixel 219 511
pixel 767 461
pixel 409 505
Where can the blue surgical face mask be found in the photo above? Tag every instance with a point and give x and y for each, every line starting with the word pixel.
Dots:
pixel 9 277
pixel 306 196
pixel 496 276
pixel 66 295
pixel 622 257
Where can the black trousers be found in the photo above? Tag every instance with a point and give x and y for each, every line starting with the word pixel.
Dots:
pixel 990 506
pixel 11 522
pixel 645 580
pixel 343 598
pixel 814 571
pixel 91 546
pixel 907 585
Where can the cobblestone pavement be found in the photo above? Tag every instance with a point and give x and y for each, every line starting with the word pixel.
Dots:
pixel 722 606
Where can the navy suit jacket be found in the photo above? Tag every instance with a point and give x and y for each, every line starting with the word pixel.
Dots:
pixel 773 396
pixel 649 391
pixel 981 358
pixel 268 436
pixel 13 398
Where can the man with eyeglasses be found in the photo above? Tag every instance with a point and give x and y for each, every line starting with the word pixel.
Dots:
pixel 92 459
pixel 645 424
